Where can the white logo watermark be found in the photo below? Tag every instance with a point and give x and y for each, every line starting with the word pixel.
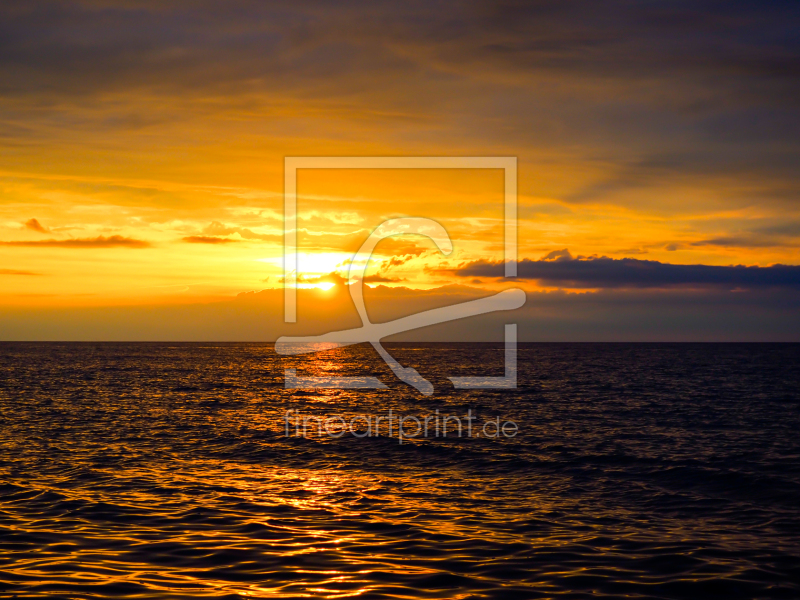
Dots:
pixel 403 427
pixel 373 333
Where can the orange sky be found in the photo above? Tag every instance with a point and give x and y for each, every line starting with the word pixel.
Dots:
pixel 210 240
pixel 148 142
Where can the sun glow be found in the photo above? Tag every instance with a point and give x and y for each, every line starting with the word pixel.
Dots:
pixel 313 263
pixel 322 285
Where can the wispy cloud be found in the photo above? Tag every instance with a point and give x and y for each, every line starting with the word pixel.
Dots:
pixel 381 279
pixel 16 272
pixel 112 241
pixel 782 234
pixel 208 239
pixel 217 229
pixel 743 241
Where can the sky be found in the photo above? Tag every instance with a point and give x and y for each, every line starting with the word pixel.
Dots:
pixel 142 147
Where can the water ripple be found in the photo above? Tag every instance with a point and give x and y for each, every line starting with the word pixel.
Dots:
pixel 163 471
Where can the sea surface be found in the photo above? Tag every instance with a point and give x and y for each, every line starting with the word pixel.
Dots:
pixel 165 471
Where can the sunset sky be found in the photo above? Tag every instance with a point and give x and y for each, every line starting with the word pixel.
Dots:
pixel 142 148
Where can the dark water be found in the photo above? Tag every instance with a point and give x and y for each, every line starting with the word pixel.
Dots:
pixel 163 471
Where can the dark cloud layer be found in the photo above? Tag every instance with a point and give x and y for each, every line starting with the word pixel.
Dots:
pixel 603 272
pixel 621 72
pixel 62 44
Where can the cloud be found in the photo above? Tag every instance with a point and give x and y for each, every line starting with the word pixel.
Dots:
pixel 403 249
pixel 205 239
pixel 398 261
pixel 558 255
pixel 338 279
pixel 745 241
pixel 768 237
pixel 215 228
pixel 36 226
pixel 112 241
pixel 606 272
pixel 15 272
pixel 786 228
pixel 380 279
pixel 777 233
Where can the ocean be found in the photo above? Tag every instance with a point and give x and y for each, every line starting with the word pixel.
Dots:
pixel 168 470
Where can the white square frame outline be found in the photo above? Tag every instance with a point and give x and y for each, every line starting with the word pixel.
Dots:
pixel 509 166
pixel 292 163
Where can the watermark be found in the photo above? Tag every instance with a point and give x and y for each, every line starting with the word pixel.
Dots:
pixel 373 333
pixel 403 427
